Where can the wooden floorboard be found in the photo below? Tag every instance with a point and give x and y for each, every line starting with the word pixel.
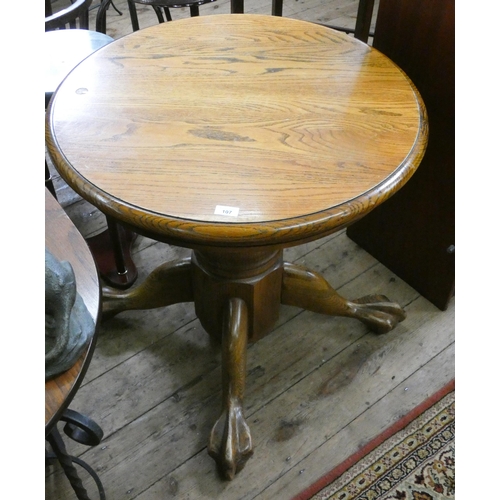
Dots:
pixel 318 387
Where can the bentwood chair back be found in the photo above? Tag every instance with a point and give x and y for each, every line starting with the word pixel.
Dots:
pixel 165 5
pixel 76 15
pixel 161 8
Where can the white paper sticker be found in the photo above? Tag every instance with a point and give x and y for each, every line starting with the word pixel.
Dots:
pixel 227 211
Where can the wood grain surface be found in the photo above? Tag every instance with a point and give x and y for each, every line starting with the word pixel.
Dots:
pixel 64 241
pixel 302 128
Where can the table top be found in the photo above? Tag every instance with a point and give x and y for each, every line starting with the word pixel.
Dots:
pixel 64 49
pixel 66 243
pixel 237 130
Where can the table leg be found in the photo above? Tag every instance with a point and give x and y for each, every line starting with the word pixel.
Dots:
pixel 230 443
pixel 237 295
pixel 83 430
pixel 309 290
pixel 112 251
pixel 168 284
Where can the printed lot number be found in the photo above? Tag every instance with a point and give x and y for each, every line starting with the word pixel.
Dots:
pixel 227 211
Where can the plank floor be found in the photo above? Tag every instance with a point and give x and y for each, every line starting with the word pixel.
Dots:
pixel 318 388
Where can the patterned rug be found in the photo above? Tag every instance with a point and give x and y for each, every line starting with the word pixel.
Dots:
pixel 412 460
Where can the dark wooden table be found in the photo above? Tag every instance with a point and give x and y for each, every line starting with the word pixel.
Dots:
pixel 238 136
pixel 66 243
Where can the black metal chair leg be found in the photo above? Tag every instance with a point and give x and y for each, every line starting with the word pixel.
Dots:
pixel 277 8
pixel 363 20
pixel 57 445
pixel 168 16
pixel 81 429
pixel 100 24
pixel 133 15
pixel 114 7
pixel 85 431
pixel 158 13
pixel 237 6
pixel 92 473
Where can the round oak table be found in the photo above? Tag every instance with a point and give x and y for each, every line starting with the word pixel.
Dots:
pixel 238 136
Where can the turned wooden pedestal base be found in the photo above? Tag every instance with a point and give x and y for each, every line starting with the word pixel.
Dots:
pixel 237 295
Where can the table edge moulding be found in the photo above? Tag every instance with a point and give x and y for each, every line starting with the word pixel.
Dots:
pixel 187 231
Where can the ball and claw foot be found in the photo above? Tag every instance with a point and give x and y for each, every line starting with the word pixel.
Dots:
pixel 378 313
pixel 230 442
pixel 307 289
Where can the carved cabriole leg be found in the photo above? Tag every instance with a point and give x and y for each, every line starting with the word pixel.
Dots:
pixel 168 284
pixel 230 443
pixel 237 299
pixel 309 290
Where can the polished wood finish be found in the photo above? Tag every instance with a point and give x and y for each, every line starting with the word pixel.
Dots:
pixel 230 442
pixel 66 243
pixel 265 140
pixel 414 233
pixel 168 284
pixel 304 130
pixel 309 290
pixel 254 275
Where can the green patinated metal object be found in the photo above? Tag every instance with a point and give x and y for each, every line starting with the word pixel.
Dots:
pixel 68 324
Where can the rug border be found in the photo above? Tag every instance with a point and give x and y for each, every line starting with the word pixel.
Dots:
pixel 378 440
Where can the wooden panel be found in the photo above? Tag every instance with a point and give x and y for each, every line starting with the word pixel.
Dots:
pixel 413 232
